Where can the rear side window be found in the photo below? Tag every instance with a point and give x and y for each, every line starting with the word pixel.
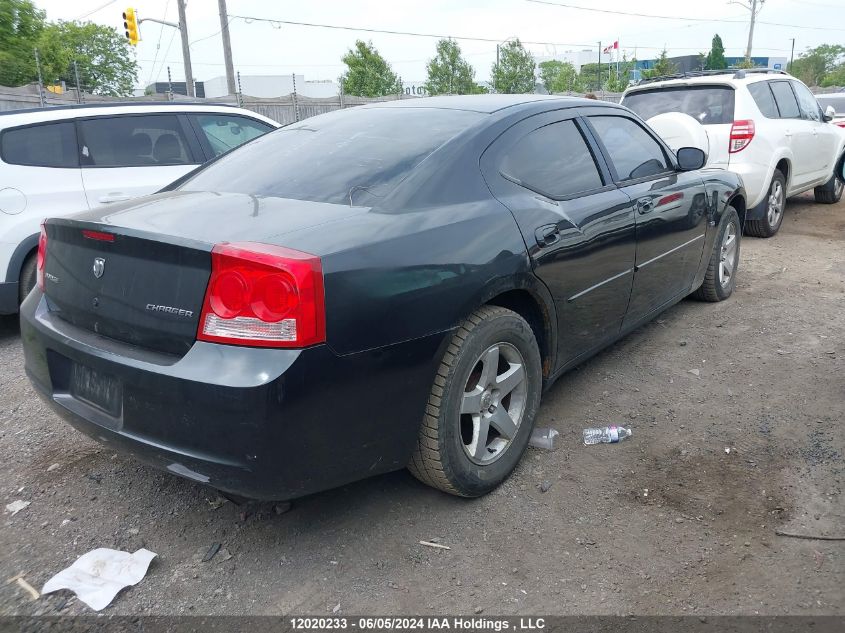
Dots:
pixel 553 160
pixel 763 98
pixel 633 152
pixel 352 157
pixel 224 131
pixel 133 141
pixel 785 98
pixel 807 102
pixel 709 105
pixel 44 145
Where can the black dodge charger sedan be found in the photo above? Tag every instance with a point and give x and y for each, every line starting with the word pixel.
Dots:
pixel 388 286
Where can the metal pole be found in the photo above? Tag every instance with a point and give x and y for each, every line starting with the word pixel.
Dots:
pixel 496 78
pixel 240 92
pixel 169 86
pixel 41 99
pixel 186 50
pixel 599 86
pixel 295 102
pixel 791 55
pixel 751 28
pixel 341 93
pixel 227 46
pixel 78 87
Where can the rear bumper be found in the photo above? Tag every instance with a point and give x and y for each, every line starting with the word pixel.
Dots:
pixel 756 178
pixel 8 297
pixel 261 423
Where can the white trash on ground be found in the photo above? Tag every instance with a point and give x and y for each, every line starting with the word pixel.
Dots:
pixel 543 438
pixel 98 576
pixel 16 506
pixel 607 435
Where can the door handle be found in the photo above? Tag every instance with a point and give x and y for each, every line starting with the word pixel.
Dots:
pixel 644 205
pixel 787 133
pixel 115 196
pixel 547 235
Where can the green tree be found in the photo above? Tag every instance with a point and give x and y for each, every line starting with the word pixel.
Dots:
pixel 836 77
pixel 716 57
pixel 20 26
pixel 746 63
pixel 588 78
pixel 368 74
pixel 558 76
pixel 514 74
pixel 662 66
pixel 619 78
pixel 815 64
pixel 103 56
pixel 449 72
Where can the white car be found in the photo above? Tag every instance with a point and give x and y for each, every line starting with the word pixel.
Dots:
pixel 764 125
pixel 62 160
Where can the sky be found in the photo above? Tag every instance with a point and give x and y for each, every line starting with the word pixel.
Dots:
pixel 266 48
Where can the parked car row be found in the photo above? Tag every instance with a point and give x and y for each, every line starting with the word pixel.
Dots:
pixel 392 285
pixel 62 160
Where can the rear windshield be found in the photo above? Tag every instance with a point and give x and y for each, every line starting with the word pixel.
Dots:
pixel 708 105
pixel 349 157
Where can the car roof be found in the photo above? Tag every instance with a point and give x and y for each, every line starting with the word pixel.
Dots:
pixel 74 111
pixel 487 103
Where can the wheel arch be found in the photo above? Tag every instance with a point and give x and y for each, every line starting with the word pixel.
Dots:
pixel 23 250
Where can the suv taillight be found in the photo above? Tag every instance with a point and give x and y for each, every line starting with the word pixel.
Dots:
pixel 741 134
pixel 41 258
pixel 265 296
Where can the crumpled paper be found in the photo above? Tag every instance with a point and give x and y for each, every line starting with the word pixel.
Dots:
pixel 98 576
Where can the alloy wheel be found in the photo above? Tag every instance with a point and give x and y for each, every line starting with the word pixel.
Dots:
pixel 775 206
pixel 493 403
pixel 838 186
pixel 727 255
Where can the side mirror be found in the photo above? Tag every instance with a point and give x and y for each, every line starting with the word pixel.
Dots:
pixel 691 158
pixel 829 113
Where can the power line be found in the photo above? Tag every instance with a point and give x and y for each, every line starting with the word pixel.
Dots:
pixel 676 17
pixel 93 11
pixel 158 44
pixel 166 51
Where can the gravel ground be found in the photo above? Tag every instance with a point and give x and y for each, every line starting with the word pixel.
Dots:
pixel 668 522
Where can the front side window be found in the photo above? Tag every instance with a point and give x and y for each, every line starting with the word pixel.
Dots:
pixel 133 141
pixel 785 98
pixel 44 145
pixel 225 131
pixel 553 160
pixel 762 96
pixel 807 102
pixel 633 151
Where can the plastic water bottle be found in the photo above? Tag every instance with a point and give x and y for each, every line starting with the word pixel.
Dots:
pixel 607 435
pixel 544 438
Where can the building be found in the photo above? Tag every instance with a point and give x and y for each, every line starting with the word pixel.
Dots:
pixel 178 87
pixel 269 86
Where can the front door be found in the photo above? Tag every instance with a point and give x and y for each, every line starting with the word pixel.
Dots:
pixel 579 228
pixel 670 210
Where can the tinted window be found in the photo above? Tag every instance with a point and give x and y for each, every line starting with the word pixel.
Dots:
pixel 352 156
pixel 633 152
pixel 224 131
pixel 553 160
pixel 764 99
pixel 785 99
pixel 47 145
pixel 707 104
pixel 807 102
pixel 133 141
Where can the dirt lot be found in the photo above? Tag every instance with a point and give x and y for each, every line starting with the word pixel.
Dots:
pixel 667 522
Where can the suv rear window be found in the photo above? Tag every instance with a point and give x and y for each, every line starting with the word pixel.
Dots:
pixel 42 145
pixel 351 157
pixel 708 105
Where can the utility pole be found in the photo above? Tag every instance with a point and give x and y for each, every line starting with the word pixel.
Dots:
pixel 41 99
pixel 791 56
pixel 754 6
pixel 496 78
pixel 78 87
pixel 227 47
pixel 599 86
pixel 186 50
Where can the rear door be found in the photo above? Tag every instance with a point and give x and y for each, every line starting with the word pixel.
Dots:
pixel 218 133
pixel 825 136
pixel 670 212
pixel 799 135
pixel 578 227
pixel 126 156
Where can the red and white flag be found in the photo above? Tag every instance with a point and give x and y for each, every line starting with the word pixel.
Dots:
pixel 611 47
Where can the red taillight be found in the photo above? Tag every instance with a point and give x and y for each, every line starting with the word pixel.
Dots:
pixel 100 236
pixel 741 134
pixel 41 259
pixel 263 295
pixel 839 123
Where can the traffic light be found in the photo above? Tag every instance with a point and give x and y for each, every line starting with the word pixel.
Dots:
pixel 130 23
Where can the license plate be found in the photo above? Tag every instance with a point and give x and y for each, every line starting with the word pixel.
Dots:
pixel 97 389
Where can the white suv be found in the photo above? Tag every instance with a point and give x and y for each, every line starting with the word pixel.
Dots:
pixel 62 160
pixel 764 125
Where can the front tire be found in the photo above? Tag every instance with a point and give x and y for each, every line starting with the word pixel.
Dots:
pixel 830 192
pixel 720 278
pixel 775 203
pixel 482 405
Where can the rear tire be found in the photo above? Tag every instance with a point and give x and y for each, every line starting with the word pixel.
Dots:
pixel 830 192
pixel 482 405
pixel 720 278
pixel 774 205
pixel 28 277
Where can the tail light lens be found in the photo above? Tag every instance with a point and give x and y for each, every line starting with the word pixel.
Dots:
pixel 263 296
pixel 41 258
pixel 741 134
